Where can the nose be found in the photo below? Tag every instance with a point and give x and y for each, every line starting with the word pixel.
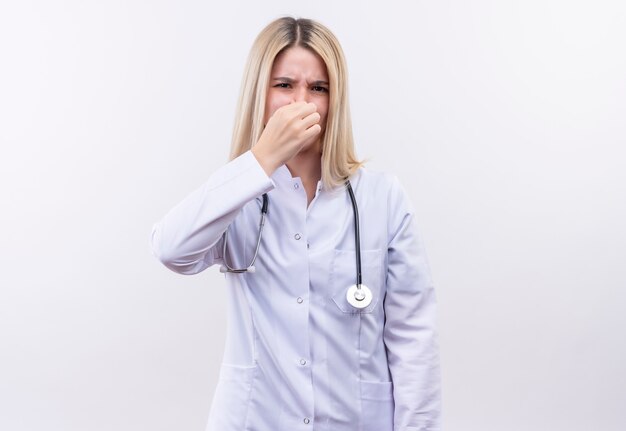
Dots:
pixel 300 94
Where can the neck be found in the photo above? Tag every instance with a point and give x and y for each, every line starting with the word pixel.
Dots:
pixel 307 165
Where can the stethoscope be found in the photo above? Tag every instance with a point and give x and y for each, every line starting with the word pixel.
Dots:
pixel 358 295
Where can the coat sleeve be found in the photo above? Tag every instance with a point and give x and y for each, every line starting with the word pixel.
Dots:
pixel 187 239
pixel 410 334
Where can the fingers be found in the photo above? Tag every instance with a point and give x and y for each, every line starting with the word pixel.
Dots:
pixel 307 113
pixel 308 108
pixel 311 119
pixel 301 115
pixel 311 132
pixel 298 109
pixel 289 128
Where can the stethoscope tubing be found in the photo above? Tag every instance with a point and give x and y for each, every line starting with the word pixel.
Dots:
pixel 357 234
pixel 250 268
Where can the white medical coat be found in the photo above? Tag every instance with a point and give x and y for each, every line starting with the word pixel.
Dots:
pixel 298 357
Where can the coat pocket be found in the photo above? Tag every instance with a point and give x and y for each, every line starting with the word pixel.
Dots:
pixel 343 275
pixel 232 397
pixel 377 406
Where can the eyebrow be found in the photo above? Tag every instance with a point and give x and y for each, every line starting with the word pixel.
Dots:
pixel 291 81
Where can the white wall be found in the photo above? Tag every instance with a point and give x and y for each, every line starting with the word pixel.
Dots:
pixel 504 119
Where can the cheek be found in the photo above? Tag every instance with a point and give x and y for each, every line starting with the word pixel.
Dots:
pixel 322 109
pixel 272 103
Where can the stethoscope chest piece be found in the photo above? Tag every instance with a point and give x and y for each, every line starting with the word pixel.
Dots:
pixel 359 298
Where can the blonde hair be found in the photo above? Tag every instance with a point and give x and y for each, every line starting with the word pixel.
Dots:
pixel 338 157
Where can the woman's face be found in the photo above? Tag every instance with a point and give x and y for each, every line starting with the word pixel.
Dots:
pixel 298 74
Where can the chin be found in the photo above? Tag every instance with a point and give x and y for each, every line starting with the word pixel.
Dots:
pixel 313 147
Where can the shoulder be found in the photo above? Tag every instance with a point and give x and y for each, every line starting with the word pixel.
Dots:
pixel 382 185
pixel 385 196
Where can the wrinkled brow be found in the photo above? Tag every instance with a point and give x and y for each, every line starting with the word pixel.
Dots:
pixel 291 81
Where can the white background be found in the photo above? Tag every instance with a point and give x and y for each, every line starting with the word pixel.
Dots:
pixel 505 120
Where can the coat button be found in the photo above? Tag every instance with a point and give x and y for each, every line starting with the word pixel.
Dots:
pixel 299 300
pixel 296 186
pixel 306 420
pixel 297 236
pixel 302 361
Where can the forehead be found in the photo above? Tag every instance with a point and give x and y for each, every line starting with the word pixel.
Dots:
pixel 297 60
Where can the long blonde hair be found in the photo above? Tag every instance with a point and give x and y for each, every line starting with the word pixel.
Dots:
pixel 338 157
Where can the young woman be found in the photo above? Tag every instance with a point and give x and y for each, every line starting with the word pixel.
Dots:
pixel 331 304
